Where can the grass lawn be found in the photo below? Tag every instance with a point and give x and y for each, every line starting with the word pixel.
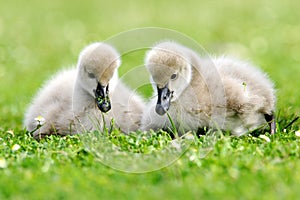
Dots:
pixel 38 38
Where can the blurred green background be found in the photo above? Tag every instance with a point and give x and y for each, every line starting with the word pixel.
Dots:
pixel 37 38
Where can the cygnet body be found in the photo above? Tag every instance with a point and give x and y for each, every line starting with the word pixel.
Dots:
pixel 86 98
pixel 199 92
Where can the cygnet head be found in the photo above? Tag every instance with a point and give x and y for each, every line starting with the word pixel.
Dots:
pixel 171 72
pixel 97 65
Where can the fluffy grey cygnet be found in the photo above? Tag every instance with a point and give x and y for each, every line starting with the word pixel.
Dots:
pixel 198 92
pixel 86 98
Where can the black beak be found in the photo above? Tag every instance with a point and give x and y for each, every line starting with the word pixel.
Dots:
pixel 163 101
pixel 102 99
pixel 272 122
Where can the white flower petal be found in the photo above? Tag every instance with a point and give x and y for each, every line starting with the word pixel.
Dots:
pixel 3 163
pixel 264 137
pixel 297 133
pixel 40 120
pixel 15 147
pixel 10 132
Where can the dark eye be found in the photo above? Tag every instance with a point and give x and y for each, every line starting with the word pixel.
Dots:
pixel 174 76
pixel 91 75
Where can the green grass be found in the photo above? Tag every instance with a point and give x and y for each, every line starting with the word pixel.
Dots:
pixel 37 38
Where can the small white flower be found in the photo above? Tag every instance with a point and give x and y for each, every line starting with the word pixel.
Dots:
pixel 297 133
pixel 15 147
pixel 189 136
pixel 192 157
pixel 264 137
pixel 176 145
pixel 3 163
pixel 40 120
pixel 11 132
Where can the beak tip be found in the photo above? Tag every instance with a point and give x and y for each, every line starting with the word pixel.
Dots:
pixel 160 110
pixel 105 107
pixel 163 100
